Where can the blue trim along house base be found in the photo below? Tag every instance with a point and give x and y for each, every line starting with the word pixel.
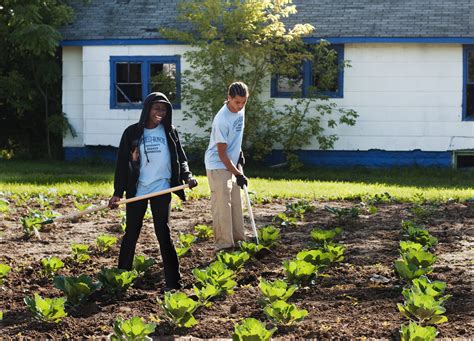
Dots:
pixel 325 158
pixel 369 158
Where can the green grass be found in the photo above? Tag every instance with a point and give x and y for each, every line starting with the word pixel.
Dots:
pixel 328 183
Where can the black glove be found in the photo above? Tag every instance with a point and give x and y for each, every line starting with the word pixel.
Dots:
pixel 241 180
pixel 241 159
pixel 192 182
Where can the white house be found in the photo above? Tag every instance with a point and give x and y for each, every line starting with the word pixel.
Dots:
pixel 411 80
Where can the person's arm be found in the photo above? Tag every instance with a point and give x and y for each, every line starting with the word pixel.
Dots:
pixel 121 171
pixel 222 151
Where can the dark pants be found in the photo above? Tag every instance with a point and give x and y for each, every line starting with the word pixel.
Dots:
pixel 160 208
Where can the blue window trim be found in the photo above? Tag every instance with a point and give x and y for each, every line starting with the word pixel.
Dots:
pixel 145 73
pixel 466 50
pixel 307 68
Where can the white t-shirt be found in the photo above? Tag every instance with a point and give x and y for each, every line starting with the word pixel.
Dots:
pixel 155 172
pixel 228 128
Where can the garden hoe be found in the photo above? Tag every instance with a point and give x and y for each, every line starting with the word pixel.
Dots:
pixel 249 208
pixel 121 202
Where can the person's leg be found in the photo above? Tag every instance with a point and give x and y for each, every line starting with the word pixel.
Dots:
pixel 237 214
pixel 160 207
pixel 220 183
pixel 135 213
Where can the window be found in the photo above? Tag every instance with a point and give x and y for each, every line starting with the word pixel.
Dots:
pixel 321 75
pixel 134 77
pixel 468 92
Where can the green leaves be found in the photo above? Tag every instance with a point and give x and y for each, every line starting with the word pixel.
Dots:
pixel 251 248
pixel 179 308
pixel 299 271
pixel 284 313
pixel 4 270
pixel 185 242
pixel 233 260
pixel 204 232
pixel 116 281
pixel 277 290
pixel 105 242
pixel 51 265
pixel 218 275
pixel 131 329
pixel 76 289
pixel 324 236
pixel 268 236
pixel 80 252
pixel 252 329
pixel 142 265
pixel 414 332
pixel 422 308
pixel 49 310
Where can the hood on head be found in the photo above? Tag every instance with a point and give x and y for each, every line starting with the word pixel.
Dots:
pixel 149 100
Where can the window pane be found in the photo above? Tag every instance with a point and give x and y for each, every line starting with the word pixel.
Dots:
pixel 325 69
pixel 470 67
pixel 129 93
pixel 122 72
pixel 163 79
pixel 285 84
pixel 470 101
pixel 135 73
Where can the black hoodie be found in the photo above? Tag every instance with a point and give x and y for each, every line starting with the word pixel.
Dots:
pixel 127 170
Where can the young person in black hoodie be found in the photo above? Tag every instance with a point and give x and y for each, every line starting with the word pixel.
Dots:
pixel 150 158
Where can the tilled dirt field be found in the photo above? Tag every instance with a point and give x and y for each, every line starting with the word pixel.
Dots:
pixel 343 304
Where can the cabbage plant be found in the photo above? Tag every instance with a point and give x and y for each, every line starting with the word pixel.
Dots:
pixel 283 313
pixel 116 281
pixel 51 265
pixel 4 270
pixel 233 260
pixel 105 242
pixel 276 290
pixel 205 293
pixel 80 252
pixel 76 289
pixel 251 248
pixel 321 236
pixel 269 236
pixel 179 309
pixel 424 309
pixel 142 265
pixel 299 271
pixel 415 332
pixel 252 329
pixel 49 310
pixel 204 232
pixel 218 275
pixel 423 285
pixel 132 329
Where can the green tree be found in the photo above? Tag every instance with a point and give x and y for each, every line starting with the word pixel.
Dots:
pixel 31 120
pixel 247 40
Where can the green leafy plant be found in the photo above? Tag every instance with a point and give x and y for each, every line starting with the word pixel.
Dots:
pixel 418 234
pixel 321 236
pixel 32 222
pixel 409 271
pixel 422 308
pixel 205 293
pixel 80 252
pixel 1 315
pixel 51 265
pixel 283 313
pixel 336 251
pixel 233 260
pixel 318 257
pixel 424 286
pixel 283 220
pixel 185 242
pixel 407 245
pixel 299 271
pixel 116 281
pixel 4 206
pixel 142 265
pixel 344 212
pixel 76 289
pixel 276 290
pixel 179 309
pixel 269 236
pixel 105 242
pixel 4 270
pixel 49 310
pixel 218 275
pixel 251 248
pixel 415 332
pixel 299 208
pixel 204 232
pixel 132 329
pixel 252 329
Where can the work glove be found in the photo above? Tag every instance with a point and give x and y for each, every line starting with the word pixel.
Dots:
pixel 192 182
pixel 241 180
pixel 241 160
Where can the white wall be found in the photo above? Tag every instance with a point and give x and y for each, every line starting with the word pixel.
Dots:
pixel 408 96
pixel 73 94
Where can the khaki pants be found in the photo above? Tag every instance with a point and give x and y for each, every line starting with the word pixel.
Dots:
pixel 226 205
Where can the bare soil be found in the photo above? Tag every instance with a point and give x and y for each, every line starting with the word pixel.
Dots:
pixel 343 304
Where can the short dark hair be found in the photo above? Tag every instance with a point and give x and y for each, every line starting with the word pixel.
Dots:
pixel 238 89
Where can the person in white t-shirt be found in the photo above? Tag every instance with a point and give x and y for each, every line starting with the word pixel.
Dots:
pixel 150 159
pixel 222 157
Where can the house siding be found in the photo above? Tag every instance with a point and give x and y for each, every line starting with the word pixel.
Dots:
pixel 408 97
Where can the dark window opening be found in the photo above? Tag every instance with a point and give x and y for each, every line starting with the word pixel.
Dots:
pixel 465 161
pixel 470 85
pixel 129 83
